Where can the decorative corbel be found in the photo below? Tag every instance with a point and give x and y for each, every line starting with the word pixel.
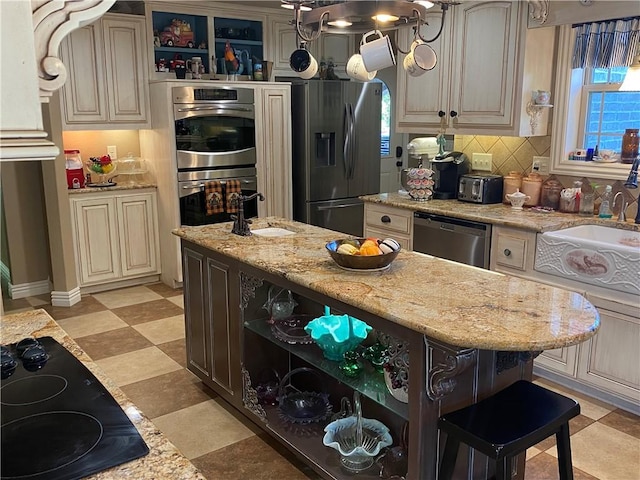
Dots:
pixel 441 379
pixel 539 10
pixel 248 285
pixel 52 21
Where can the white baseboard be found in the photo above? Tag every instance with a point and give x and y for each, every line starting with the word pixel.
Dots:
pixel 29 289
pixel 65 299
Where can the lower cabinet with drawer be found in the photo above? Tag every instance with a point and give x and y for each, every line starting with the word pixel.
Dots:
pixel 116 238
pixel 382 221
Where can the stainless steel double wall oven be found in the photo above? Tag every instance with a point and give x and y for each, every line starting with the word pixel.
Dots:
pixel 215 141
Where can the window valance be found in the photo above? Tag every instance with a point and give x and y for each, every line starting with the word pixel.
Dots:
pixel 606 44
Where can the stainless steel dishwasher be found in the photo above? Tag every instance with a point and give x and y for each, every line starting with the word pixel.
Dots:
pixel 455 239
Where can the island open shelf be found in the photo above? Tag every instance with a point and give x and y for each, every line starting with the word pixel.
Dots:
pixel 369 383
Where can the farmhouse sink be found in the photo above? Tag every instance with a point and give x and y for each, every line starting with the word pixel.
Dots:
pixel 594 254
pixel 272 232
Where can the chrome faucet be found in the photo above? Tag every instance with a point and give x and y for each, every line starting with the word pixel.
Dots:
pixel 622 216
pixel 240 224
pixel 632 182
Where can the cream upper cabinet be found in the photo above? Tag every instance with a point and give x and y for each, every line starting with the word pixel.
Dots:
pixel 335 47
pixel 282 42
pixel 107 86
pixel 421 98
pixel 273 155
pixel 488 65
pixel 116 238
pixel 329 46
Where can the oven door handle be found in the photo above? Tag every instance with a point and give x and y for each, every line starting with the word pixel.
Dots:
pixel 222 110
pixel 202 184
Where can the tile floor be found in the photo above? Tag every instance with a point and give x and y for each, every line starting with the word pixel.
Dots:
pixel 137 336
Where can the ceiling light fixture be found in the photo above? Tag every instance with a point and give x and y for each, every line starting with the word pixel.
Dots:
pixel 385 18
pixel 312 17
pixel 363 15
pixel 291 6
pixel 342 23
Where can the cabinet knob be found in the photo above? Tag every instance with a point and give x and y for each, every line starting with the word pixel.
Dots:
pixel 453 113
pixel 441 113
pixel 507 252
pixel 385 219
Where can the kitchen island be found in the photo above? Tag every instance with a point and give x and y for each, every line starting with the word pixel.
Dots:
pixel 164 461
pixel 458 333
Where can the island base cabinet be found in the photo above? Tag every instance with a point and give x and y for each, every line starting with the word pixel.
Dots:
pixel 211 324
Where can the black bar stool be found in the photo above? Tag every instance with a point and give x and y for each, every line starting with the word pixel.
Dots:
pixel 506 424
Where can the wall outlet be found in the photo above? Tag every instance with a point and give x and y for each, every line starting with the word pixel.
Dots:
pixel 112 151
pixel 482 162
pixel 540 165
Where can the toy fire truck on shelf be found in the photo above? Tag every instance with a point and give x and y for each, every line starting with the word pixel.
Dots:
pixel 178 34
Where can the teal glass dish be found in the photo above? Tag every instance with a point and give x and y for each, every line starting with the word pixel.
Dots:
pixel 337 334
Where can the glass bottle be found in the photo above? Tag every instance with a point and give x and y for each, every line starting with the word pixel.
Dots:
pixel 605 206
pixel 587 198
pixel 630 143
pixel 550 195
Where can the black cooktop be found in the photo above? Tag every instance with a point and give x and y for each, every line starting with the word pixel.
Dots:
pixel 58 421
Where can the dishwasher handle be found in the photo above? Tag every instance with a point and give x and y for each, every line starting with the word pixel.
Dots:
pixel 441 222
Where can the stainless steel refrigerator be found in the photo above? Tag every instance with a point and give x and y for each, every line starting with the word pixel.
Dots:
pixel 336 151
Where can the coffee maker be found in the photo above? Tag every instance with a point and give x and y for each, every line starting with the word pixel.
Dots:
pixel 447 169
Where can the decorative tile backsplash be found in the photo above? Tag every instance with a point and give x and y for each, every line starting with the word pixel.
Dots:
pixel 509 153
pixel 516 154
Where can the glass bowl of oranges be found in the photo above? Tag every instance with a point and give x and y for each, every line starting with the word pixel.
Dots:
pixel 364 253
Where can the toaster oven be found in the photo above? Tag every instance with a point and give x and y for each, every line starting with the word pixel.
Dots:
pixel 480 188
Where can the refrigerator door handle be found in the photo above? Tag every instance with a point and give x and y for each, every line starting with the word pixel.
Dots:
pixel 345 138
pixel 352 134
pixel 334 207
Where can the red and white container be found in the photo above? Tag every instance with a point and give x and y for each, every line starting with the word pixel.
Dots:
pixel 75 171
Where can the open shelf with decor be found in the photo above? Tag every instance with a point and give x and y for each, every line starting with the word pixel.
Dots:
pixel 245 37
pixel 178 37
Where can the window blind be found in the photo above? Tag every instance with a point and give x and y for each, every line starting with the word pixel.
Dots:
pixel 607 44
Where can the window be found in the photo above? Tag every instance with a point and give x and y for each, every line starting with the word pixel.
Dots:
pixel 385 122
pixel 606 112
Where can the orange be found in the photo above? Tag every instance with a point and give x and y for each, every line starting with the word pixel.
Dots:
pixel 370 250
pixel 369 242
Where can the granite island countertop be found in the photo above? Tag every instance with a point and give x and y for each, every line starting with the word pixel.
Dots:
pixel 458 304
pixel 164 461
pixel 496 214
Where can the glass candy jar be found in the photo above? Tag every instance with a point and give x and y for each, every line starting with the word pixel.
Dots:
pixel 550 194
pixel 630 143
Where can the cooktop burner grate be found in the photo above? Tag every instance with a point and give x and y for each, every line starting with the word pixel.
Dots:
pixel 58 421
